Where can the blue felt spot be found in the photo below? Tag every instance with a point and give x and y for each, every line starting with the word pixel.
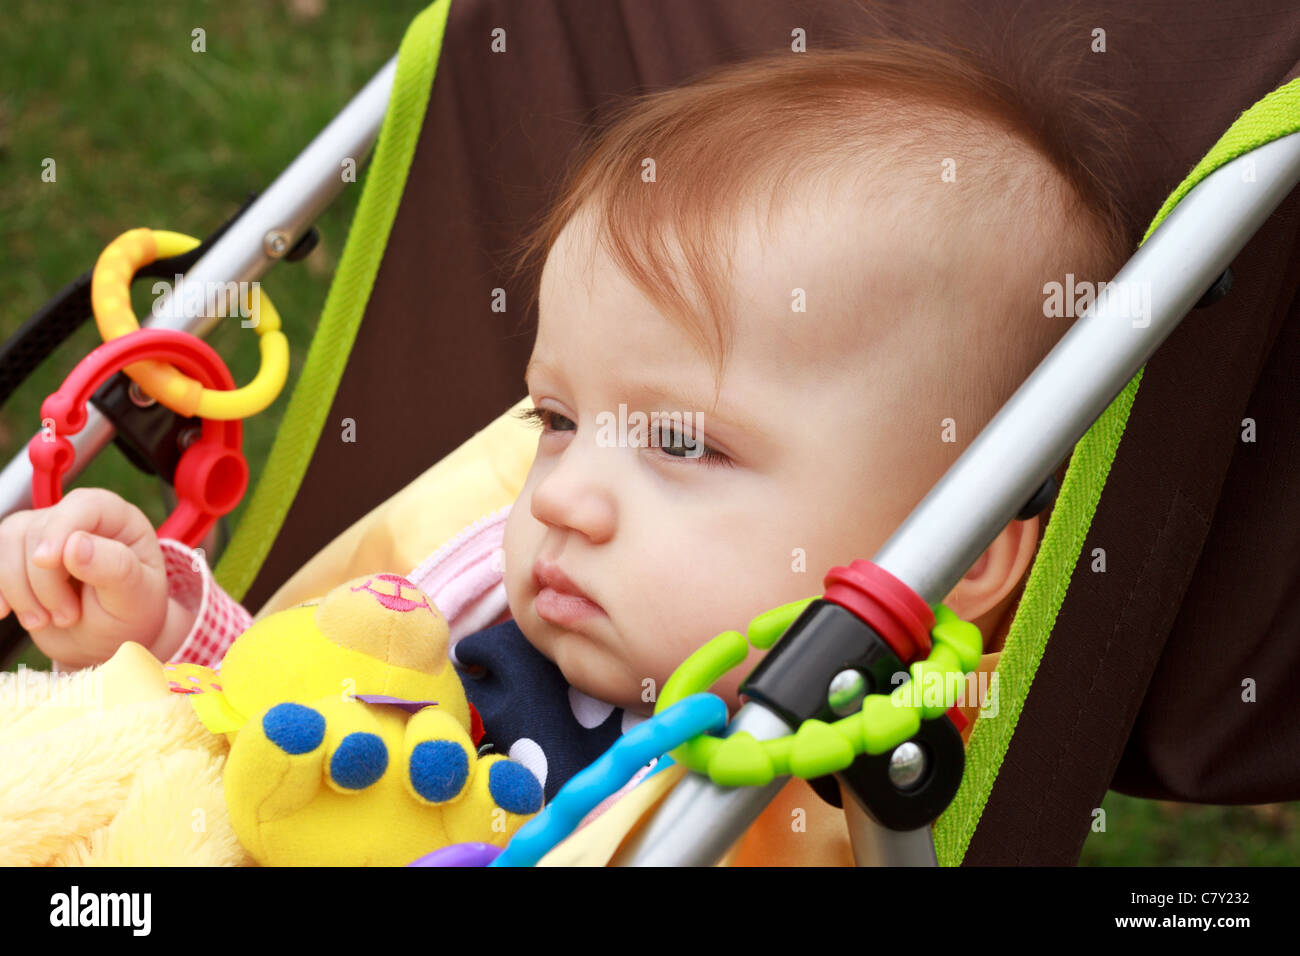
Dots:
pixel 293 728
pixel 439 769
pixel 359 761
pixel 514 787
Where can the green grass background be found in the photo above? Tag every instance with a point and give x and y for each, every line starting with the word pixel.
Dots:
pixel 147 132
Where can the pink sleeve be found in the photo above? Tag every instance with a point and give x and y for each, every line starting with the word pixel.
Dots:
pixel 219 617
pixel 465 577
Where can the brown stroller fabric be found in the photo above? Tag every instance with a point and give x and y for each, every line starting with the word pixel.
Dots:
pixel 1141 685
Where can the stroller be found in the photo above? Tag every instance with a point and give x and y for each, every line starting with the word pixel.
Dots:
pixel 1117 698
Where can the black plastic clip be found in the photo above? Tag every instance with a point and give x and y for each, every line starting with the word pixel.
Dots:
pixel 1040 500
pixel 794 680
pixel 1221 287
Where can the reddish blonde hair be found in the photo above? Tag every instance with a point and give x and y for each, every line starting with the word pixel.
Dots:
pixel 725 139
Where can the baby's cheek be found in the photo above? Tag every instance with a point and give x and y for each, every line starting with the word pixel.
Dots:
pixel 638 672
pixel 515 566
pixel 514 596
pixel 652 670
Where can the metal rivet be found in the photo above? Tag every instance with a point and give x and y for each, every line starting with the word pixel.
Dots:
pixel 906 766
pixel 138 397
pixel 188 437
pixel 847 689
pixel 276 244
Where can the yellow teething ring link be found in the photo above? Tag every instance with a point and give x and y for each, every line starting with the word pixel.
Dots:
pixel 110 297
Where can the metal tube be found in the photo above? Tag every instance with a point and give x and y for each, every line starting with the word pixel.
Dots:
pixel 875 845
pixel 695 824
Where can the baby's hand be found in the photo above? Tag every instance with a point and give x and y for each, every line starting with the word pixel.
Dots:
pixel 83 576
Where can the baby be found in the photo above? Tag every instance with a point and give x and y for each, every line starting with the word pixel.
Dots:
pixel 832 265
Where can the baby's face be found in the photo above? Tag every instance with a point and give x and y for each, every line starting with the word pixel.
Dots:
pixel 671 549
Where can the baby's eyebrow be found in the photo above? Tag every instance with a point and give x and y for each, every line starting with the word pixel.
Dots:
pixel 649 390
pixel 652 393
pixel 540 366
pixel 682 402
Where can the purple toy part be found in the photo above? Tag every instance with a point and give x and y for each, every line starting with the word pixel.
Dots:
pixel 460 854
pixel 410 706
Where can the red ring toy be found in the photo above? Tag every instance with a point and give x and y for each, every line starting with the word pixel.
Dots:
pixel 896 612
pixel 212 473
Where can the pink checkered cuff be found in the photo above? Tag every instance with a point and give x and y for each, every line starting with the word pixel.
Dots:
pixel 219 618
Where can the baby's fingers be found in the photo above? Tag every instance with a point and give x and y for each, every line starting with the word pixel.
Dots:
pixel 16 593
pixel 108 566
pixel 49 582
pixel 14 586
pixel 92 510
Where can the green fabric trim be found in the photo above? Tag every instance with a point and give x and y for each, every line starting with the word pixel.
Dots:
pixel 295 440
pixel 1274 116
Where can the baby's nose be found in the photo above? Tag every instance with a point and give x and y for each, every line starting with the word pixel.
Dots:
pixel 577 490
pixel 586 510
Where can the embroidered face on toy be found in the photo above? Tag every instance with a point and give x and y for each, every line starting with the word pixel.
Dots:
pixel 373 635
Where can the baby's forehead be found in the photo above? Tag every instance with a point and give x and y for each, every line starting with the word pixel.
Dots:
pixel 870 259
pixel 850 253
pixel 833 274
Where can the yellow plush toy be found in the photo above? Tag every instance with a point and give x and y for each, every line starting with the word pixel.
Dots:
pixel 351 738
pixel 107 767
pixel 350 743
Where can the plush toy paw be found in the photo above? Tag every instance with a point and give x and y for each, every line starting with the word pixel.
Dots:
pixel 442 766
pixel 319 781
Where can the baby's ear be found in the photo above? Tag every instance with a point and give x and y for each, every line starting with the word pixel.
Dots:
pixel 997 572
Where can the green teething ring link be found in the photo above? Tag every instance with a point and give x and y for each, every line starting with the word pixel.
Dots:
pixel 816 748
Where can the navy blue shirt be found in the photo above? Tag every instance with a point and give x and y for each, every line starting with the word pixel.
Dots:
pixel 528 709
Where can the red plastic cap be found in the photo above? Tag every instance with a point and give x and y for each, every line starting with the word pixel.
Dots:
pixel 886 604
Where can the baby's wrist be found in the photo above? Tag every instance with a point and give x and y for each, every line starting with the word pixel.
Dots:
pixel 176 627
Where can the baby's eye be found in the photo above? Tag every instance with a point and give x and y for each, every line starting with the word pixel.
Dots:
pixel 671 440
pixel 673 443
pixel 544 418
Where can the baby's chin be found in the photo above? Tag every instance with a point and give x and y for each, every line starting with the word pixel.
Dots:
pixel 584 666
pixel 534 630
